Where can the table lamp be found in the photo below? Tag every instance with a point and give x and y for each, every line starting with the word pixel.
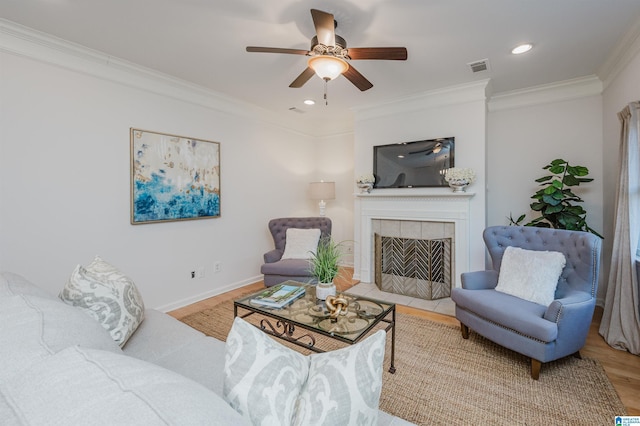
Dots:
pixel 322 191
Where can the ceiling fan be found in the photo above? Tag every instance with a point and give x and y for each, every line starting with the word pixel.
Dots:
pixel 329 54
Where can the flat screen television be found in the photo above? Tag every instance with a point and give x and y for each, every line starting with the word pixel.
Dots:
pixel 413 164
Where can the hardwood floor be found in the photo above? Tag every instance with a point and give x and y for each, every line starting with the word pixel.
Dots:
pixel 622 368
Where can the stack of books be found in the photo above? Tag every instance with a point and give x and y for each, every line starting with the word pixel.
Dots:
pixel 279 295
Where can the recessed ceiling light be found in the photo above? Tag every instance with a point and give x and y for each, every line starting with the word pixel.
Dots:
pixel 309 102
pixel 522 48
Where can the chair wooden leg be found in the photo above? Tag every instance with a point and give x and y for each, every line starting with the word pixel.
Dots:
pixel 465 331
pixel 535 369
pixel 577 355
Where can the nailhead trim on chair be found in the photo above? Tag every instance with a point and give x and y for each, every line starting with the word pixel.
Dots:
pixel 508 328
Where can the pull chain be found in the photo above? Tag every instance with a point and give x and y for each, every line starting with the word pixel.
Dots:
pixel 326 101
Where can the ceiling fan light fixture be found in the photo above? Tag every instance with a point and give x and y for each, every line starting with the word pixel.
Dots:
pixel 328 67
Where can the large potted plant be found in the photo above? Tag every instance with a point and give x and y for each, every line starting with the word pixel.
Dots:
pixel 554 201
pixel 325 266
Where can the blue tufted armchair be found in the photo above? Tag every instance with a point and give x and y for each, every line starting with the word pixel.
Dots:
pixel 543 333
pixel 276 269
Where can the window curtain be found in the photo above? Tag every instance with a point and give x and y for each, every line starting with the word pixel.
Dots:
pixel 620 324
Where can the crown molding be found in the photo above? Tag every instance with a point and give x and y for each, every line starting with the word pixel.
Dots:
pixel 22 41
pixel 547 93
pixel 452 95
pixel 626 49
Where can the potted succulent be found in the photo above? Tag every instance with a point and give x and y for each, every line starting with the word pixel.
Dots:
pixel 325 266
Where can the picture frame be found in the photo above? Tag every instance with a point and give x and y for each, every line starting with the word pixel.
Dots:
pixel 173 177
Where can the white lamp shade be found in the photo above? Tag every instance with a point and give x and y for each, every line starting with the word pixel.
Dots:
pixel 322 190
pixel 328 67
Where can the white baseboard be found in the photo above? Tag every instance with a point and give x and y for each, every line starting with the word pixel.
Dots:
pixel 202 296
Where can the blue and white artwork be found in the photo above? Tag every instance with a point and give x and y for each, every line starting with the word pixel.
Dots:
pixel 173 178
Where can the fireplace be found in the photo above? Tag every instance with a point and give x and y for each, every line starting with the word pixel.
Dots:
pixel 417 214
pixel 413 267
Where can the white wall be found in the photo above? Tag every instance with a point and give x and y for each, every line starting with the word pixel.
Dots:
pixel 334 162
pixel 456 111
pixel 523 140
pixel 622 88
pixel 65 194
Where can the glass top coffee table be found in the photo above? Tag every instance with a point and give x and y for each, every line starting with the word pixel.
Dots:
pixel 311 314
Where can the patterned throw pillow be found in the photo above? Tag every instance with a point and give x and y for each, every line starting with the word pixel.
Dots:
pixel 270 384
pixel 108 295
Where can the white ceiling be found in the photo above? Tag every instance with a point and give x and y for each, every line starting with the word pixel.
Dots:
pixel 203 42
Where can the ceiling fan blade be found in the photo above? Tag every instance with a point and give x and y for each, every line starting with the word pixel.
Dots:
pixel 277 50
pixel 325 27
pixel 302 78
pixel 388 53
pixel 357 79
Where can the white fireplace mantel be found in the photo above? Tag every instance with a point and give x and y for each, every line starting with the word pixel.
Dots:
pixel 416 204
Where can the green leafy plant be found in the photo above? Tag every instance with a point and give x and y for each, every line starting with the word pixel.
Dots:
pixel 554 201
pixel 325 261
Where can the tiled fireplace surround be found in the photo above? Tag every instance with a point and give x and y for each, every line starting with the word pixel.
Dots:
pixel 442 208
pixel 405 264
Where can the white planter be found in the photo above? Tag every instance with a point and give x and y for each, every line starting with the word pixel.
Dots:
pixel 458 185
pixel 323 290
pixel 365 188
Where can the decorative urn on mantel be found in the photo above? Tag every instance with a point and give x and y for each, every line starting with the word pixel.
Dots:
pixel 365 183
pixel 459 178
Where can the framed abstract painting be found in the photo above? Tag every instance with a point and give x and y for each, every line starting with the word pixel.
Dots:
pixel 173 178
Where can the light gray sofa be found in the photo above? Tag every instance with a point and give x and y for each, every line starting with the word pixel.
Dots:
pixel 58 366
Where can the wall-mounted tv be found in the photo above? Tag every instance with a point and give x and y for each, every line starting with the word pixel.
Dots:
pixel 413 164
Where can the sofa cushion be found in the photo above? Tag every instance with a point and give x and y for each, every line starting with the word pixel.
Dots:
pixel 33 328
pixel 270 384
pixel 169 343
pixel 107 295
pixel 288 267
pixel 524 317
pixel 12 284
pixel 301 243
pixel 530 274
pixel 81 386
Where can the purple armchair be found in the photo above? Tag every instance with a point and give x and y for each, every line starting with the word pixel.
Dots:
pixel 276 269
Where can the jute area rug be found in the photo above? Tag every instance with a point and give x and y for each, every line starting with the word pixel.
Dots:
pixel 443 379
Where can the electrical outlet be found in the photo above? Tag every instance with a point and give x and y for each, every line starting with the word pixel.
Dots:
pixel 217 266
pixel 200 272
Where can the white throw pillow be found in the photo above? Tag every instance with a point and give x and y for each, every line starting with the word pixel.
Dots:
pixel 530 275
pixel 301 243
pixel 270 384
pixel 109 296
